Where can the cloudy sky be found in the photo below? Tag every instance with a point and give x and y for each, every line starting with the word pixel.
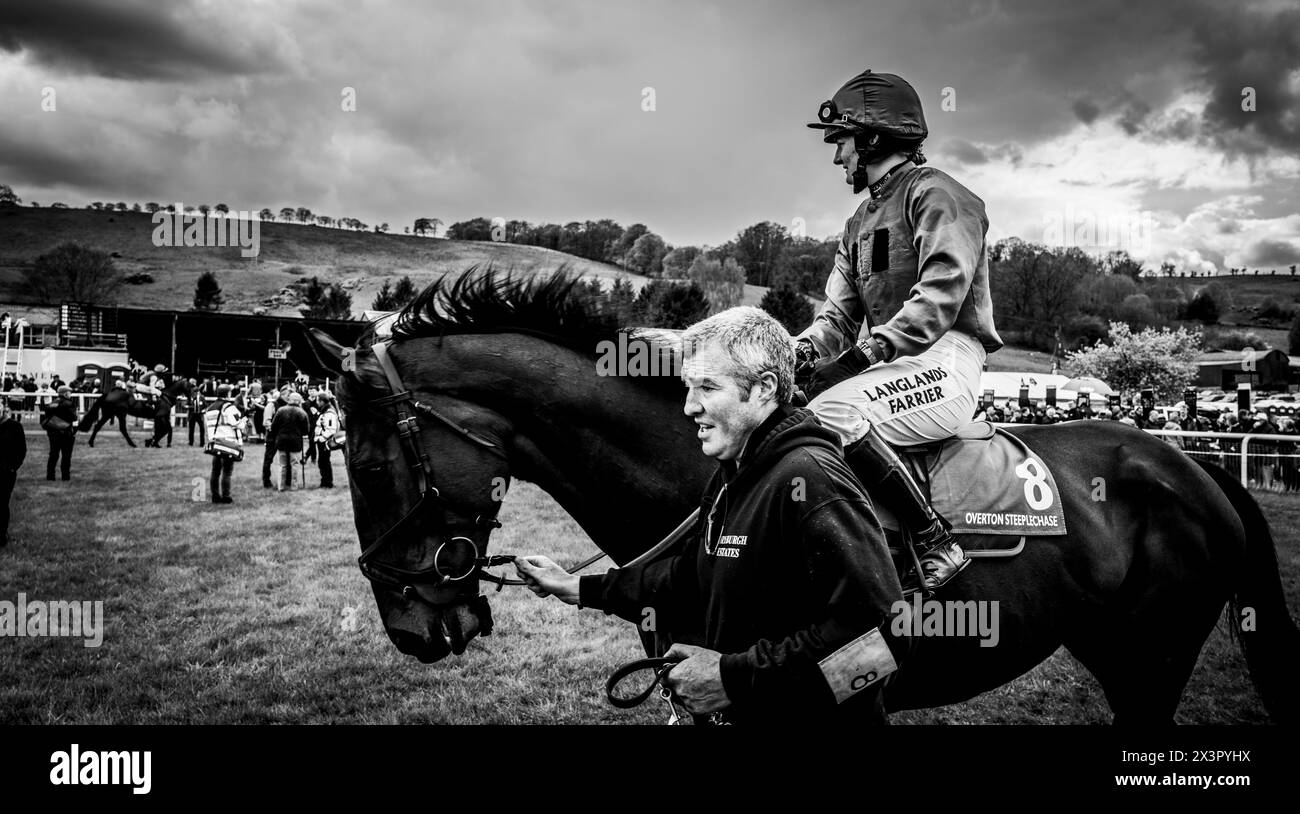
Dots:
pixel 1122 116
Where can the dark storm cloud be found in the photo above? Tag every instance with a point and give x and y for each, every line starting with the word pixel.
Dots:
pixel 1272 253
pixel 134 39
pixel 33 163
pixel 1086 110
pixel 1237 49
pixel 1132 115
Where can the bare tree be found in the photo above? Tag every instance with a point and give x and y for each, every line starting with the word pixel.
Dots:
pixel 73 273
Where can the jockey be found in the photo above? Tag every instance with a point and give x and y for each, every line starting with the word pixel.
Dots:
pixel 895 352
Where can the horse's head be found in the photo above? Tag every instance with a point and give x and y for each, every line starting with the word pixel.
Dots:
pixel 428 472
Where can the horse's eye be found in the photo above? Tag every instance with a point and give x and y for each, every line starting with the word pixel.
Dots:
pixel 371 476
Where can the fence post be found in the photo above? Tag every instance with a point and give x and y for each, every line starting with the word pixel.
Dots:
pixel 1245 479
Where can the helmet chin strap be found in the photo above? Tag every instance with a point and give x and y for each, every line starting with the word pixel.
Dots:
pixel 871 149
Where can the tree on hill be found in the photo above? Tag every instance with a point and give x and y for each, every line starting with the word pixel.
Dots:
pixel 722 283
pixel 1163 360
pixel 1119 262
pixel 267 215
pixel 383 300
pixel 646 257
pixel 1204 308
pixel 805 264
pixel 662 304
pixel 623 243
pixel 204 209
pixel 121 206
pixel 135 207
pixel 287 214
pixel 758 248
pixel 620 301
pixel 789 307
pixel 303 214
pixel 391 298
pixel 325 301
pixel 8 197
pixel 474 229
pixel 430 225
pixel 207 293
pixel 73 273
pixel 678 262
pixel 222 208
pixel 404 291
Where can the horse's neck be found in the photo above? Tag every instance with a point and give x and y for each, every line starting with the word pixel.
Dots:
pixel 616 454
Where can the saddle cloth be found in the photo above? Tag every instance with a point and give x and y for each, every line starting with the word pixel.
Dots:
pixel 985 481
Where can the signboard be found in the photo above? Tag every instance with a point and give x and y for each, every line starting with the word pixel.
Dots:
pixel 276 353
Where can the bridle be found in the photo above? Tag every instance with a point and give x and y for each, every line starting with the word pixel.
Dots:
pixel 457 558
pixel 465 555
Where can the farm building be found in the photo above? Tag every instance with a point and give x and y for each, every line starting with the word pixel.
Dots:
pixel 77 340
pixel 1263 370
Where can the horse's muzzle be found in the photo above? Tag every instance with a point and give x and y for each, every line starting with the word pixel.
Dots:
pixel 430 632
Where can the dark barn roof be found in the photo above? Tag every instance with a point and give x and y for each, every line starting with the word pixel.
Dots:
pixel 239 342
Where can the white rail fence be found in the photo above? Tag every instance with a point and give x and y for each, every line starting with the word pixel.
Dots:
pixel 1265 461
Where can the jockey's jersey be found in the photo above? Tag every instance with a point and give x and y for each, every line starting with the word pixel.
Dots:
pixel 911 266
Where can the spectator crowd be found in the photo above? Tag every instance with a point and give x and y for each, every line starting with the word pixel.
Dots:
pixel 1271 464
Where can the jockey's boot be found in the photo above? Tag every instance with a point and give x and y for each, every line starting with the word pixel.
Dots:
pixel 887 477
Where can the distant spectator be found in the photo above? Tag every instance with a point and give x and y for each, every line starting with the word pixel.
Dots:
pixel 327 424
pixel 290 428
pixel 223 421
pixel 195 416
pixel 13 450
pixel 59 420
pixel 274 401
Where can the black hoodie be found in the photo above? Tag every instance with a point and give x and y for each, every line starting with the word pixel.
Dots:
pixel 795 567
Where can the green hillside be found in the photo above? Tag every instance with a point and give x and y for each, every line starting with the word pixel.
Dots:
pixel 361 261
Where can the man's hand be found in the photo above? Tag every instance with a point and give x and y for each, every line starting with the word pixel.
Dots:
pixel 545 577
pixel 696 683
pixel 805 360
pixel 828 374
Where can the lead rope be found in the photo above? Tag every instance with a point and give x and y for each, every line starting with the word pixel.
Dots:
pixel 658 548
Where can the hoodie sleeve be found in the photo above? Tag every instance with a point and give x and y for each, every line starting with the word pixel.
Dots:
pixel 845 550
pixel 665 592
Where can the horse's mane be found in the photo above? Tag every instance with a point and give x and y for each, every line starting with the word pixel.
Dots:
pixel 560 306
pixel 483 300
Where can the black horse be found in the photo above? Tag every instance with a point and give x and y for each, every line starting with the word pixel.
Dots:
pixel 504 380
pixel 119 403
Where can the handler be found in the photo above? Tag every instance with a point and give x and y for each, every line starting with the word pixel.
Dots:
pixel 899 343
pixel 789 581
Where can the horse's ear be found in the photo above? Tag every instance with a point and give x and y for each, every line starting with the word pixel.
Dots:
pixel 326 357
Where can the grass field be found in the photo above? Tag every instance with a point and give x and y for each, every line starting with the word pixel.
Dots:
pixel 256 613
